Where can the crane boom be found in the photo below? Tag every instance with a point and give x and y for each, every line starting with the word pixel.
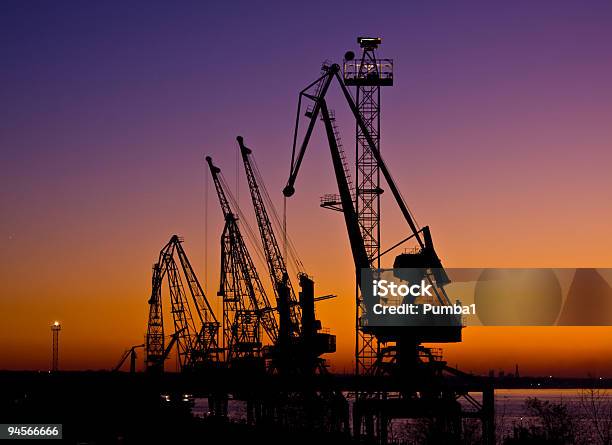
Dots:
pixel 331 73
pixel 321 85
pixel 360 255
pixel 205 346
pixel 205 312
pixel 277 267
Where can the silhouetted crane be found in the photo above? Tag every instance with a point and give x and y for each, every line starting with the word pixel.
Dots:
pixel 246 306
pixel 300 341
pixel 195 325
pixel 277 268
pixel 425 259
pixel 400 354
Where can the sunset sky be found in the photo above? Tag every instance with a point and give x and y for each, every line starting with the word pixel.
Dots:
pixel 497 130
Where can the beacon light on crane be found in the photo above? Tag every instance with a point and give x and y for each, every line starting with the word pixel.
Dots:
pixel 369 42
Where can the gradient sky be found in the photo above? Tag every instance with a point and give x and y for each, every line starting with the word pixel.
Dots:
pixel 498 131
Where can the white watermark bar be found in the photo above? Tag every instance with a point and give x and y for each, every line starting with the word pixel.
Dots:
pixel 455 297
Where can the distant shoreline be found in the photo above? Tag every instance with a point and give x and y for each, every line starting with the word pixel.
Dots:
pixel 545 382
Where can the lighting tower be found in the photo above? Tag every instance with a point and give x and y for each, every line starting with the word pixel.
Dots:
pixel 367 75
pixel 56 327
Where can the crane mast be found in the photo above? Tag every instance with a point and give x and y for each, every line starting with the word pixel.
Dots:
pixel 155 326
pixel 181 311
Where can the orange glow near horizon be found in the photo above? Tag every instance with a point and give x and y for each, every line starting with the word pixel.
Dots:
pixel 101 321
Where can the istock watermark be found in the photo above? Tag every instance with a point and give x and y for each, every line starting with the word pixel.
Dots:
pixel 486 297
pixel 382 288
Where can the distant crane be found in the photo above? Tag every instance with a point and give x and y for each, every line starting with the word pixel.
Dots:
pixel 246 307
pixel 195 325
pixel 131 353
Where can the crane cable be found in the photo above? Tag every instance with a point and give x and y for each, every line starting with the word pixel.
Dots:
pixel 284 231
pixel 290 252
pixel 206 231
pixel 250 233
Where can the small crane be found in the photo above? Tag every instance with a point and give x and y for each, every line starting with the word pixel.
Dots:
pixel 194 322
pixel 131 353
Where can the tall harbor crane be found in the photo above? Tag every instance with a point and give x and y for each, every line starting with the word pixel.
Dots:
pixel 246 307
pixel 195 326
pixel 426 257
pixel 400 353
